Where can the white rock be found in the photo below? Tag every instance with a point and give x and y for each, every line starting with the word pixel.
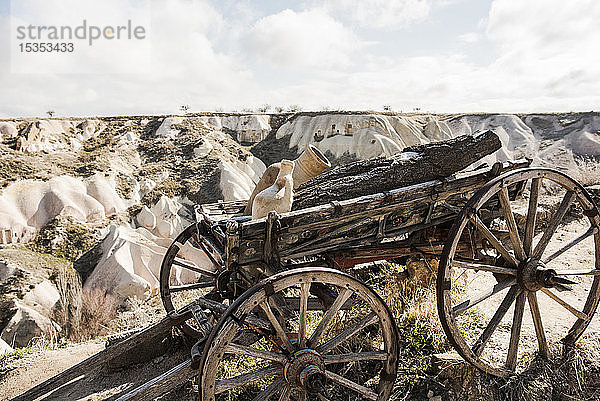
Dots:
pixel 249 128
pixel 130 263
pixel 363 135
pixel 166 129
pixel 146 185
pixel 131 137
pixel 103 189
pixel 5 348
pixel 234 182
pixel 165 229
pixel 26 325
pixel 584 143
pixel 28 205
pixel 46 135
pixel 203 149
pixel 146 218
pixel 7 130
pixel 43 297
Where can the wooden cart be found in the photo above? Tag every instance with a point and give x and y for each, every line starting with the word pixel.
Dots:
pixel 293 322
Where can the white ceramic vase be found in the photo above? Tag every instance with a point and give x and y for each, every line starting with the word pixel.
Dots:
pixel 279 196
pixel 311 163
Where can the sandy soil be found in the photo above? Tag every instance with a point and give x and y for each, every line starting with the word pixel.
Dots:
pixel 35 368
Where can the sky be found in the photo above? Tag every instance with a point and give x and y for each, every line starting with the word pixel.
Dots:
pixel 439 56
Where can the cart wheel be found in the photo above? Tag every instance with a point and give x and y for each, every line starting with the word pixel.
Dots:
pixel 189 270
pixel 515 251
pixel 302 350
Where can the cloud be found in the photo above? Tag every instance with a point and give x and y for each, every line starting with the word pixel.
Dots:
pixel 470 37
pixel 387 14
pixel 547 47
pixel 306 38
pixel 181 64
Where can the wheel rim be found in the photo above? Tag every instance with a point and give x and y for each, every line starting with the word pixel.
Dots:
pixel 524 262
pixel 186 274
pixel 293 360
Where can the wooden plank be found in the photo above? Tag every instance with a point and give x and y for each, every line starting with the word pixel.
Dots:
pixel 362 390
pixel 246 378
pixel 173 378
pixel 515 332
pixel 495 320
pixel 553 225
pixel 278 328
pixel 564 304
pixel 494 241
pixel 255 352
pixel 368 320
pixel 534 195
pixel 463 306
pixel 591 231
pixel 271 390
pixel 487 268
pixel 539 326
pixel 513 231
pixel 303 307
pixel 149 335
pixel 343 296
pixel 356 356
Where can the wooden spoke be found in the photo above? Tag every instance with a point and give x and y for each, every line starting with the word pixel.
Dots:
pixel 257 353
pixel 368 320
pixel 463 306
pixel 304 294
pixel 277 326
pixel 193 286
pixel 362 390
pixel 272 389
pixel 512 225
pixel 181 263
pixel 212 255
pixel 342 297
pixel 580 272
pixel 359 356
pixel 515 333
pixel 246 378
pixel 534 195
pixel 589 232
pixel 495 321
pixel 553 225
pixel 494 241
pixel 487 268
pixel 537 321
pixel 285 395
pixel 564 304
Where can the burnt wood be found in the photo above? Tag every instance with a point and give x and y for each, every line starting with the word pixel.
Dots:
pixel 413 165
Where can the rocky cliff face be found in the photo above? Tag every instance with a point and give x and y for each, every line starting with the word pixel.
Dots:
pixel 123 187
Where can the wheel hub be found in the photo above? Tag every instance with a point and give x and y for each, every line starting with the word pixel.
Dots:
pixel 528 276
pixel 534 275
pixel 306 369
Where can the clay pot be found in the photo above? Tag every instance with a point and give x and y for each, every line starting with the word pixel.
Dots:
pixel 310 164
pixel 279 196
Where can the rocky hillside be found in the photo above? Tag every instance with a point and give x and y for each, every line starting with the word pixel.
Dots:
pixel 107 195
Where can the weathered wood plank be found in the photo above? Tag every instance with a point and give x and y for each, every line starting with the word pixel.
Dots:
pixel 149 335
pixel 425 162
pixel 162 384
